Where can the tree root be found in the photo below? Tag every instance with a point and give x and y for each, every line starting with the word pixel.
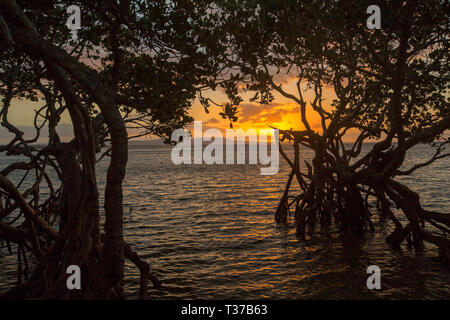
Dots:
pixel 144 268
pixel 336 190
pixel 443 245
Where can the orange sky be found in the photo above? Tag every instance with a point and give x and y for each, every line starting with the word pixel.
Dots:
pixel 282 113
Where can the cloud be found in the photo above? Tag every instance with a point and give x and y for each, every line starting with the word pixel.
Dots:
pixel 280 115
pixel 212 121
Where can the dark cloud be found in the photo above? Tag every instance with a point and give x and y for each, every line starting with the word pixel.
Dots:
pixel 212 120
pixel 248 110
pixel 257 114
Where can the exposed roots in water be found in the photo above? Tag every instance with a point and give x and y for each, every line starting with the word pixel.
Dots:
pixel 333 191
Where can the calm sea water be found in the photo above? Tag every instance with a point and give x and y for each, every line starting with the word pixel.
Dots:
pixel 209 233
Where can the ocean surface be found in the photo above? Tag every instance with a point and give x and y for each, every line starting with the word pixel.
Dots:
pixel 208 232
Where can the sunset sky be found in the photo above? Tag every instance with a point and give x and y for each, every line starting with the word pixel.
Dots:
pixel 282 113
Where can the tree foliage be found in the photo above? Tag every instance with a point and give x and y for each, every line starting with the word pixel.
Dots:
pixel 133 64
pixel 139 64
pixel 389 84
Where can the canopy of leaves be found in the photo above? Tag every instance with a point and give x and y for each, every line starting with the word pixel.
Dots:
pixel 150 53
pixel 327 44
